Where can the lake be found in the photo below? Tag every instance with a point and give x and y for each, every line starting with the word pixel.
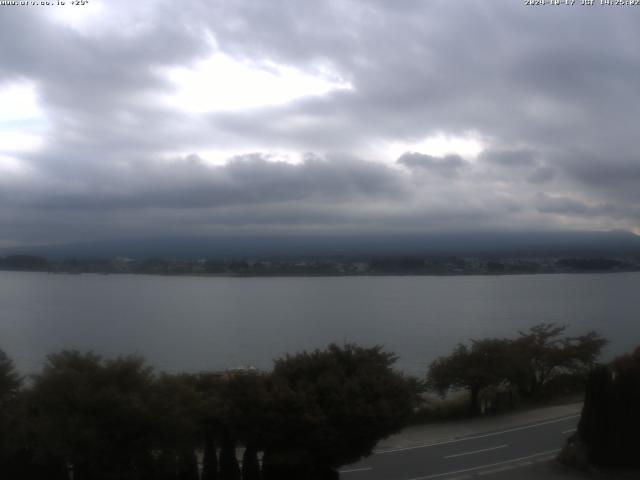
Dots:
pixel 197 323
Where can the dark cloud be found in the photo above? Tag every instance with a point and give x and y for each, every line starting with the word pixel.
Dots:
pixel 613 171
pixel 542 174
pixel 570 206
pixel 510 158
pixel 190 183
pixel 447 166
pixel 548 91
pixel 519 162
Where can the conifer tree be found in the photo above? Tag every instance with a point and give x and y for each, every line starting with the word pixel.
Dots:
pixel 229 468
pixel 250 464
pixel 210 458
pixel 188 465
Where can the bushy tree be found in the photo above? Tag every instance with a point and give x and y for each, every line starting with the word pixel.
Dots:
pixel 331 407
pixel 188 464
pixel 610 418
pixel 544 352
pixel 246 400
pixel 229 468
pixel 250 464
pixel 211 419
pixel 11 415
pixel 485 363
pixel 527 364
pixel 93 413
pixel 175 404
pixel 10 380
pixel 114 419
pixel 209 458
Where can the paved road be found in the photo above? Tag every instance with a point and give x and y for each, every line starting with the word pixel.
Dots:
pixel 485 455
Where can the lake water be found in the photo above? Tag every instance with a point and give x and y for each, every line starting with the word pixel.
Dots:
pixel 196 323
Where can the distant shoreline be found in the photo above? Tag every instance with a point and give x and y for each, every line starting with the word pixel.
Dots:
pixel 338 266
pixel 325 275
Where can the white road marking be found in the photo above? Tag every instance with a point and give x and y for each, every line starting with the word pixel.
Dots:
pixel 475 437
pixel 513 460
pixel 571 430
pixel 476 451
pixel 498 470
pixel 353 470
pixel 543 459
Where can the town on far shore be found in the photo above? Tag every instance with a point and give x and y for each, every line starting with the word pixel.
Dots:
pixel 326 265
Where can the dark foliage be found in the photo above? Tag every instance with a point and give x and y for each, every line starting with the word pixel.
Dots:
pixel 590 264
pixel 474 368
pixel 12 426
pixel 210 458
pixel 10 381
pixel 102 419
pixel 250 464
pixel 611 414
pixel 544 352
pixel 229 468
pixel 93 414
pixel 540 362
pixel 187 465
pixel 398 265
pixel 333 406
pixel 24 262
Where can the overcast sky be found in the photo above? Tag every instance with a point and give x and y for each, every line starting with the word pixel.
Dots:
pixel 124 119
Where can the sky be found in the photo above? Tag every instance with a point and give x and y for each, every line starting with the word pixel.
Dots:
pixel 123 119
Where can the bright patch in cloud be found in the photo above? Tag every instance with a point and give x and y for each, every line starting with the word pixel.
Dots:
pixel 213 157
pixel 11 165
pixel 12 141
pixel 441 144
pixel 19 102
pixel 21 118
pixel 89 18
pixel 222 83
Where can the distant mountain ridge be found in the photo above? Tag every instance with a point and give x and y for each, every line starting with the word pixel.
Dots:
pixel 574 243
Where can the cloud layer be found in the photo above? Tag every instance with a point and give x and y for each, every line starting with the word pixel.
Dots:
pixel 303 107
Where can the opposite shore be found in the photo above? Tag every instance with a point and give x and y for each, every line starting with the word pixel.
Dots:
pixel 333 267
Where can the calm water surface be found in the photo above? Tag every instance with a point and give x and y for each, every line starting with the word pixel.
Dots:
pixel 194 323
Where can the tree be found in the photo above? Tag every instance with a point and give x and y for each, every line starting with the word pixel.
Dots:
pixel 17 456
pixel 543 352
pixel 10 381
pixel 331 407
pixel 24 262
pixel 210 458
pixel 11 414
pixel 188 464
pixel 175 403
pixel 610 419
pixel 250 464
pixel 485 363
pixel 211 415
pixel 246 399
pixel 229 468
pixel 528 363
pixel 94 414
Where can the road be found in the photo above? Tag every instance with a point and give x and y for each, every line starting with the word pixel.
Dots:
pixel 484 455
